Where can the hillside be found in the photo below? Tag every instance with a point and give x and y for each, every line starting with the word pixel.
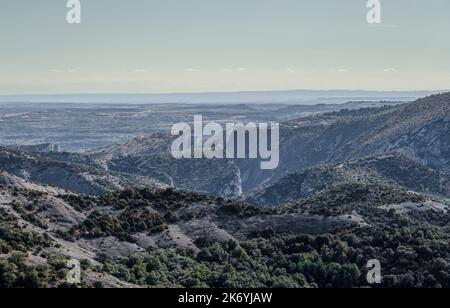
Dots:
pixel 146 218
pixel 46 226
pixel 167 238
pixel 86 179
pixel 392 170
pixel 150 157
pixel 416 130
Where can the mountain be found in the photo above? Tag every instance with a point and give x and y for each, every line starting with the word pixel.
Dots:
pixel 154 237
pixel 151 157
pixel 392 170
pixel 305 142
pixel 30 255
pixel 352 186
pixel 41 227
pixel 134 220
pixel 417 130
pixel 143 162
pixel 76 177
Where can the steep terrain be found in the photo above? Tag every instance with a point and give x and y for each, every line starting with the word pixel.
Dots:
pixel 352 186
pixel 30 253
pixel 44 224
pixel 392 170
pixel 131 220
pixel 81 178
pixel 418 130
pixel 151 157
pixel 162 237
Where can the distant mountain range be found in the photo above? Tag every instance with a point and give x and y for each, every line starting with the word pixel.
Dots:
pixel 304 97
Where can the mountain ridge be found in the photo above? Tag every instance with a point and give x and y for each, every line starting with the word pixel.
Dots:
pixel 389 169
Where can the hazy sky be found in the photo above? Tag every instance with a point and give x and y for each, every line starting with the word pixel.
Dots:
pixel 222 45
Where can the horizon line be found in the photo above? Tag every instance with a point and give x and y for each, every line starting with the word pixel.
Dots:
pixel 222 92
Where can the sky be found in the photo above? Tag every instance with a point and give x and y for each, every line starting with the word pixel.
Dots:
pixel 166 46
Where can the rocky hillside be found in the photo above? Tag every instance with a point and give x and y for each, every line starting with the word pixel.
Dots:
pixel 47 225
pixel 42 227
pixel 151 157
pixel 417 130
pixel 392 170
pixel 86 179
